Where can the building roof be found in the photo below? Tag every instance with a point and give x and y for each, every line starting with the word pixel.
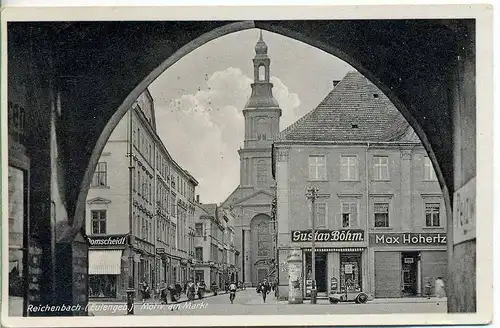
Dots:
pixel 355 110
pixel 211 209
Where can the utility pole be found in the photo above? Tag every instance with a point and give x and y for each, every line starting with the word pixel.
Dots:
pixel 313 194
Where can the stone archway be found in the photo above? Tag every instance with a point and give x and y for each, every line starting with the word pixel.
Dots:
pixel 426 67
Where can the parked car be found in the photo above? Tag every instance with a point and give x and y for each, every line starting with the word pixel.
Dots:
pixel 335 296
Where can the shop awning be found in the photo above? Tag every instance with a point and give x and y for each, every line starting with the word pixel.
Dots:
pixel 105 261
pixel 338 249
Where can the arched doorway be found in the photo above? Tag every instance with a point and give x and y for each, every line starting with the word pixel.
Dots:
pixel 262 248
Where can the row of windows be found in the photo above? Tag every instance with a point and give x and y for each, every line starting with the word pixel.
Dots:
pixel 349 217
pixel 182 236
pixel 349 168
pixel 217 233
pixel 143 185
pixel 166 232
pixel 143 143
pixel 216 253
pixel 163 197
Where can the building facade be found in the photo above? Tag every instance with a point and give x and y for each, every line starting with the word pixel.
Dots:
pixel 379 214
pixel 251 200
pixel 140 210
pixel 216 254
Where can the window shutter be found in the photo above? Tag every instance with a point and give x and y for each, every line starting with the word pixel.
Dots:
pixel 354 215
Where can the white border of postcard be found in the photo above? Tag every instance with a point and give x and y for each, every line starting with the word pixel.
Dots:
pixel 484 69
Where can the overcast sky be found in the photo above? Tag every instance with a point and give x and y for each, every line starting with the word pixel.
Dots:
pixel 199 101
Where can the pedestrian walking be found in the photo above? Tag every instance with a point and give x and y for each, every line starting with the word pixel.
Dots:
pixel 439 287
pixel 264 289
pixel 146 293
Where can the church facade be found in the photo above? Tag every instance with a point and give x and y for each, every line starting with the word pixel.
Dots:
pixel 251 200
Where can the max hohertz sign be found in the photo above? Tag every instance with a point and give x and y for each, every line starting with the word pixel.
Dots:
pixel 398 239
pixel 327 235
pixel 117 240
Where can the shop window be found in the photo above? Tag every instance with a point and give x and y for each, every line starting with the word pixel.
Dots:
pixel 98 221
pixel 349 168
pixel 429 174
pixel 350 272
pixel 349 214
pixel 317 167
pixel 432 214
pixel 102 286
pixel 17 248
pixel 381 211
pixel 199 275
pixel 380 168
pixel 100 175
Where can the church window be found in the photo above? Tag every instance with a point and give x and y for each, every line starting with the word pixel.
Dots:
pixel 261 173
pixel 262 73
pixel 261 129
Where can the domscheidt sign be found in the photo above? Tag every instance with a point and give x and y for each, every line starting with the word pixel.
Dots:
pixel 115 240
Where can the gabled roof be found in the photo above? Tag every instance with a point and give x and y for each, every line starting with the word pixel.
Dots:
pixel 355 110
pixel 252 195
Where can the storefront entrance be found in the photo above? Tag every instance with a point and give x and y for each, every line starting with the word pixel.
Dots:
pixel 350 272
pixel 321 274
pixel 409 273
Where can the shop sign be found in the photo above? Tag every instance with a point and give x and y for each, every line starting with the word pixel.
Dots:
pixel 398 239
pixel 117 240
pixel 464 213
pixel 328 235
pixel 348 268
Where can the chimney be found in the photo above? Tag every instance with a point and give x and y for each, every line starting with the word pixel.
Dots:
pixel 198 199
pixel 335 82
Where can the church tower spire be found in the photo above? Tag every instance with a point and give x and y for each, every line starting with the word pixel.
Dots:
pixel 262 116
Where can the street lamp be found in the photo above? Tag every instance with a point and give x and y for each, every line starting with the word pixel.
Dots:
pixel 312 194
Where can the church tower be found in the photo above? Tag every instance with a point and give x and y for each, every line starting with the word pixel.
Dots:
pixel 251 200
pixel 262 115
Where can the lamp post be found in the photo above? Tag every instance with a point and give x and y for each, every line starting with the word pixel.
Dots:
pixel 312 194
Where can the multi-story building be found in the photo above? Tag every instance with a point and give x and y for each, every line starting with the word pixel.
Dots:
pixel 140 210
pixel 380 215
pixel 251 200
pixel 216 255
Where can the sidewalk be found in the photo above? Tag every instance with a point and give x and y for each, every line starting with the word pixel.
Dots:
pixel 385 300
pixel 182 299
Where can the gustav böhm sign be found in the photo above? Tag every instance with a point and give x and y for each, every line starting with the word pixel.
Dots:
pixel 116 240
pixel 328 235
pixel 388 239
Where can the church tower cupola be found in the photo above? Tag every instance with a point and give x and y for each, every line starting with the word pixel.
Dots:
pixel 262 94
